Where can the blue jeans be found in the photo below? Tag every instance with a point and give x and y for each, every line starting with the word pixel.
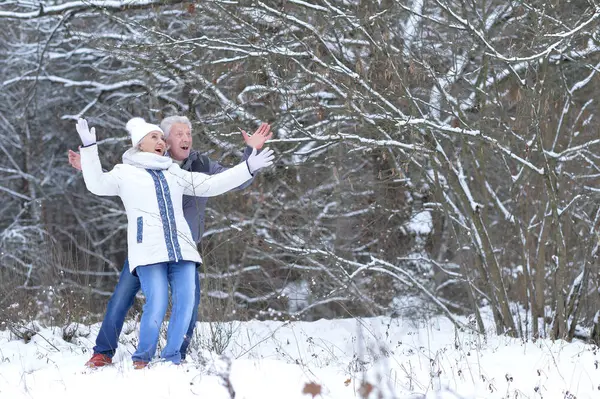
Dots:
pixel 119 304
pixel 155 280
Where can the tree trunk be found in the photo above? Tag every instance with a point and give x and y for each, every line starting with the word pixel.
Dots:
pixel 540 278
pixel 559 321
pixel 574 300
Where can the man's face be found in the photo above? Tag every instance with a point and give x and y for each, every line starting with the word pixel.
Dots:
pixel 179 141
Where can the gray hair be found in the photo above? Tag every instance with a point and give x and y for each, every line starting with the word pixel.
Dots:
pixel 167 123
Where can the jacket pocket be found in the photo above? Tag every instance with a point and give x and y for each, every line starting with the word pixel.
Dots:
pixel 140 229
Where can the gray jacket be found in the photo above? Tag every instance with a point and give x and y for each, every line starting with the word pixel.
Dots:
pixel 194 207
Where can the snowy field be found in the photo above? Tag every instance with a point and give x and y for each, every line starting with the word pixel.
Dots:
pixel 366 358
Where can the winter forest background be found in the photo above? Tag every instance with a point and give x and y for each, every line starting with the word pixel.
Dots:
pixel 434 156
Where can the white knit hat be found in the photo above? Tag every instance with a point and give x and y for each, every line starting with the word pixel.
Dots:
pixel 138 128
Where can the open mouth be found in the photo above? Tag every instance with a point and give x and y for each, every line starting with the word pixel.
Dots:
pixel 185 147
pixel 159 151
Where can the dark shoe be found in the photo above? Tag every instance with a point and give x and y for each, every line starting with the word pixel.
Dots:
pixel 99 360
pixel 139 364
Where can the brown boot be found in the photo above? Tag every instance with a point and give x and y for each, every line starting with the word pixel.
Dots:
pixel 139 364
pixel 98 360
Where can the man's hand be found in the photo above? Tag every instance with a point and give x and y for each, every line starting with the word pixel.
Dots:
pixel 258 139
pixel 75 159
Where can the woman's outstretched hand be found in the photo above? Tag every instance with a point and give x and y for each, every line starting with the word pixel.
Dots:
pixel 258 161
pixel 88 137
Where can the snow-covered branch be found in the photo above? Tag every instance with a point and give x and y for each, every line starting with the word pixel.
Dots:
pixel 43 9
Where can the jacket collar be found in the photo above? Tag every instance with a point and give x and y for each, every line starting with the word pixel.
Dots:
pixel 187 163
pixel 146 160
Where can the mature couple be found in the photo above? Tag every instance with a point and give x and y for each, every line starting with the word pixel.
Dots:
pixel 164 186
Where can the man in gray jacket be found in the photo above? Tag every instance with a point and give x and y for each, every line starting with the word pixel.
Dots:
pixel 178 135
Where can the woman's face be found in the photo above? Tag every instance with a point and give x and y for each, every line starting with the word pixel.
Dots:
pixel 154 142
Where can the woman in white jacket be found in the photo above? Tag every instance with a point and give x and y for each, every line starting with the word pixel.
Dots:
pixel 161 250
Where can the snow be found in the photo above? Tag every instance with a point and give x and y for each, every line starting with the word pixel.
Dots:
pixel 411 27
pixel 298 294
pixel 421 223
pixel 399 358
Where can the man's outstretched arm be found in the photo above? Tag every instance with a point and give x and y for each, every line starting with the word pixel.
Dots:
pixel 257 140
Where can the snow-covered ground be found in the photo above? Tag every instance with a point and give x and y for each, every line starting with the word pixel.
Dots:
pixel 374 358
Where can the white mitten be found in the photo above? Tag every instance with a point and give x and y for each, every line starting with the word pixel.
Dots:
pixel 88 137
pixel 258 161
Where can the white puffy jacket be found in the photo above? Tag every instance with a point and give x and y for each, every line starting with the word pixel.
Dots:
pixel 151 188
